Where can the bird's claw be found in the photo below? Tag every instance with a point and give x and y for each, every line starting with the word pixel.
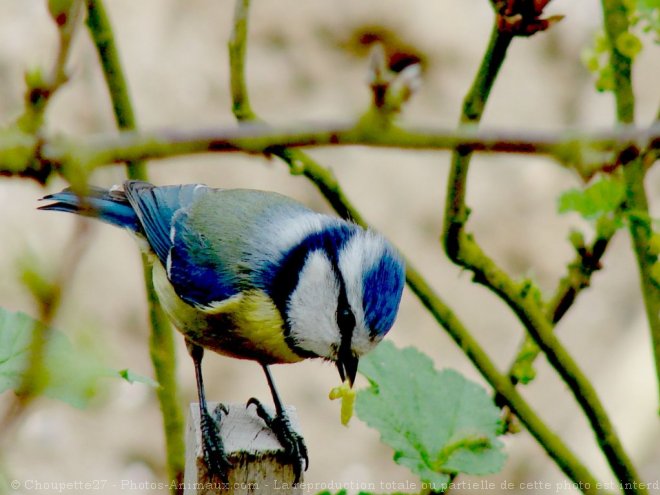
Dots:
pixel 293 444
pixel 216 459
pixel 219 410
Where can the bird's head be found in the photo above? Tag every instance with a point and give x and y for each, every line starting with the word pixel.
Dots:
pixel 344 288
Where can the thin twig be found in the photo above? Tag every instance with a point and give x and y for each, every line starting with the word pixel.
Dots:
pixel 237 48
pixel 524 299
pixel 48 301
pixel 67 29
pixel 161 341
pixel 577 278
pixel 301 163
pixel 634 173
pixel 40 89
pixel 101 32
pixel 572 466
pixel 48 304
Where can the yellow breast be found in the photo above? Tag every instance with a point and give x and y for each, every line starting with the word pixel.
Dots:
pixel 246 326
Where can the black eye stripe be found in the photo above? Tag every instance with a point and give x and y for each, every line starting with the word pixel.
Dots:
pixel 345 317
pixel 281 279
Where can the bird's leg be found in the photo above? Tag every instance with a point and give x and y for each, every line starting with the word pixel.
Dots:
pixel 293 443
pixel 214 454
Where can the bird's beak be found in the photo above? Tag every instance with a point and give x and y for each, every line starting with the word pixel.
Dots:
pixel 347 365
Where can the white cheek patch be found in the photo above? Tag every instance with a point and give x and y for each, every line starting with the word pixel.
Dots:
pixel 313 306
pixel 357 257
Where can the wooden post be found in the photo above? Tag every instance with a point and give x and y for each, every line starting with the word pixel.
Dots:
pixel 253 450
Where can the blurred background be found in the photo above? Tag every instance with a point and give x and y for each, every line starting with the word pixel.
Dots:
pixel 307 62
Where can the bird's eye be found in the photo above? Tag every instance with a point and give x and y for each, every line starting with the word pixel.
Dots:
pixel 345 319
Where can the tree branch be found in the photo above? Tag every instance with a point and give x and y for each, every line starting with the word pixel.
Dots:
pixel 101 32
pixel 302 164
pixel 572 148
pixel 577 278
pixel 237 58
pixel 524 299
pixel 615 16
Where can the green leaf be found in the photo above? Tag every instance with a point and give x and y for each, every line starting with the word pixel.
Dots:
pixel 65 373
pixel 602 197
pixel 132 377
pixel 437 422
pixel 14 343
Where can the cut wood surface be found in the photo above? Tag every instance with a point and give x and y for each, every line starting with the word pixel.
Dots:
pixel 258 464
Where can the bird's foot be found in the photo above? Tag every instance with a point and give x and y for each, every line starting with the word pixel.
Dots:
pixel 216 459
pixel 293 444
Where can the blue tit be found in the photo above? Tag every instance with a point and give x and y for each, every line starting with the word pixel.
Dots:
pixel 256 275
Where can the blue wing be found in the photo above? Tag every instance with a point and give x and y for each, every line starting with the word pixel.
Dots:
pixel 155 208
pixel 211 242
pixel 192 268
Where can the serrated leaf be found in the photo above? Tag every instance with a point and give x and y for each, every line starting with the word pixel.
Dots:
pixel 437 422
pixel 602 197
pixel 66 374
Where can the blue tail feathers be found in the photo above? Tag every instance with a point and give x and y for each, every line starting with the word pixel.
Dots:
pixel 110 206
